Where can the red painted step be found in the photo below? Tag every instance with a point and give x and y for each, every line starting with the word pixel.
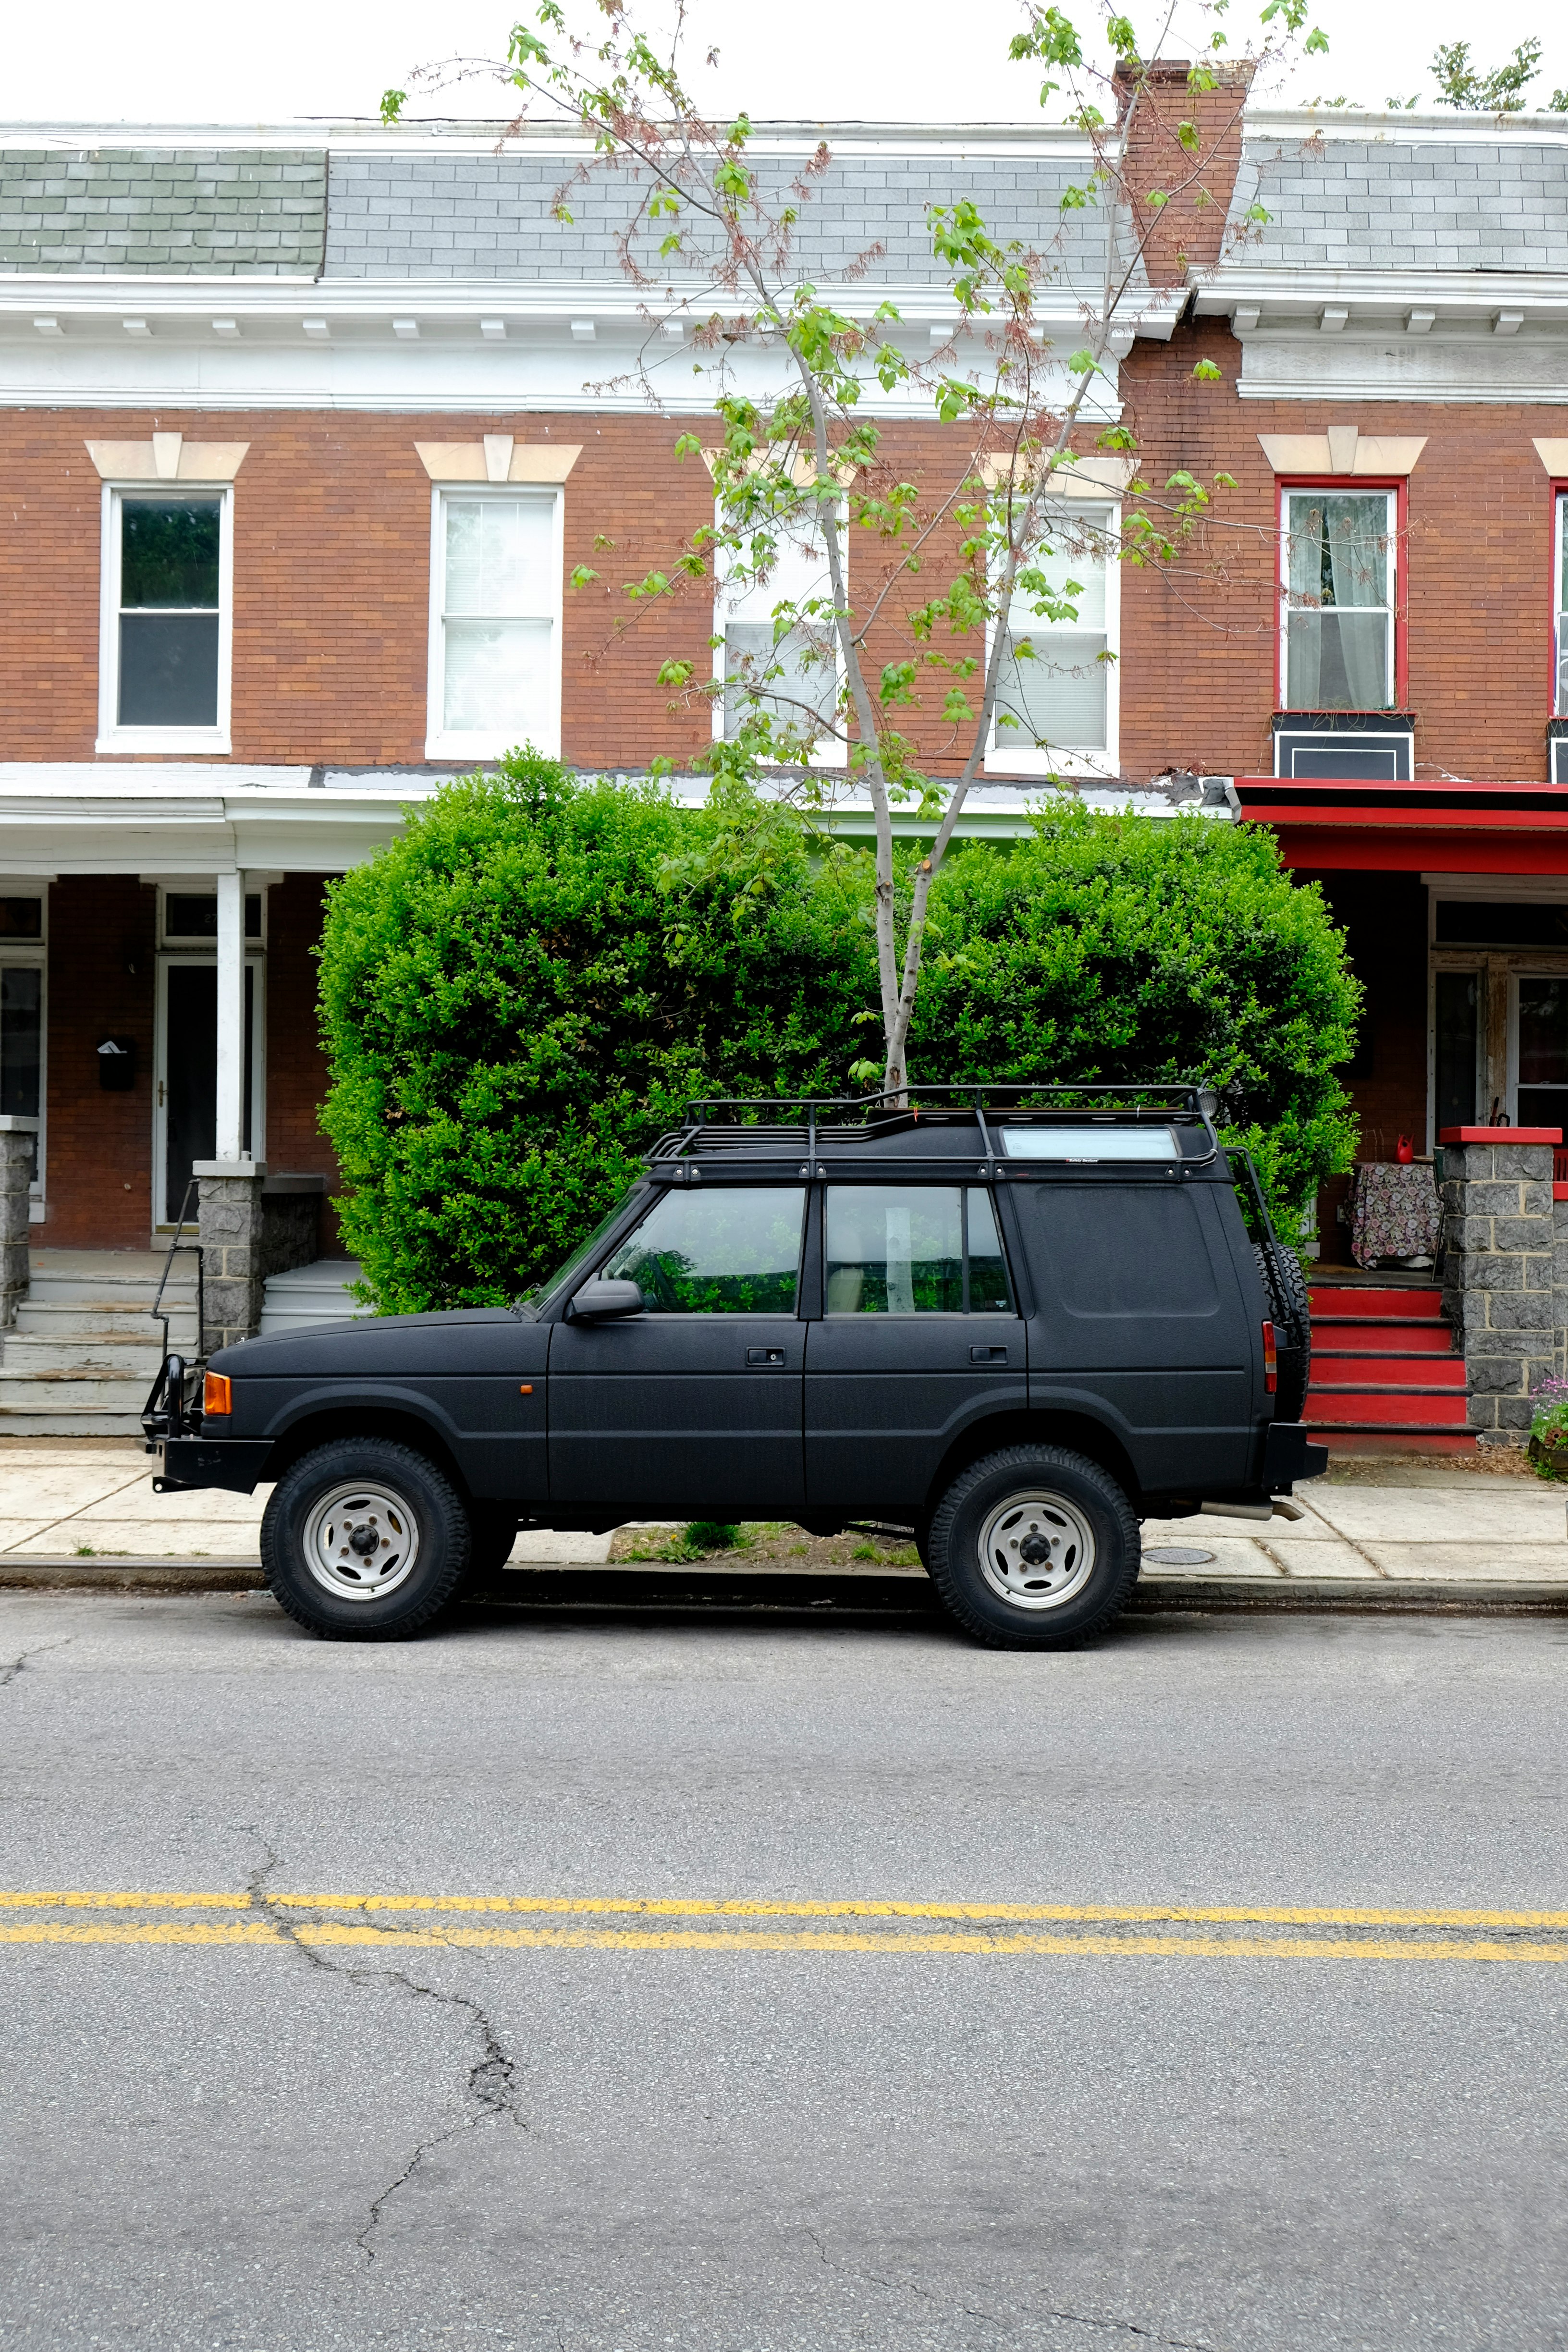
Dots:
pixel 1436 1409
pixel 1339 1370
pixel 1385 1375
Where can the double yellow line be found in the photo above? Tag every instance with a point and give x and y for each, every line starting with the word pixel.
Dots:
pixel 1094 1930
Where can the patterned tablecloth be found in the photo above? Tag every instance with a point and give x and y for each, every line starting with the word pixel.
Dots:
pixel 1395 1210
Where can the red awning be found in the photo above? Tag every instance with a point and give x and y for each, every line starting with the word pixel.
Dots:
pixel 1438 828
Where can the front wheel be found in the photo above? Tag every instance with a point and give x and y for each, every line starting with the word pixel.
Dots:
pixel 1033 1548
pixel 363 1541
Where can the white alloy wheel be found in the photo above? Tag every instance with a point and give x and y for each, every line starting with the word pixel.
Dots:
pixel 1036 1550
pixel 360 1541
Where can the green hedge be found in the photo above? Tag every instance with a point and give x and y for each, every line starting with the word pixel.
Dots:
pixel 520 993
pixel 1123 947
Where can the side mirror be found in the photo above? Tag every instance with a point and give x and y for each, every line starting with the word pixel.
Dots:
pixel 597 1302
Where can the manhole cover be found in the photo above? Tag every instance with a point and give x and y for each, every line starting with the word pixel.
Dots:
pixel 1179 1556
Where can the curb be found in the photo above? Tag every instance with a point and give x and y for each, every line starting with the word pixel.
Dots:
pixel 719 1590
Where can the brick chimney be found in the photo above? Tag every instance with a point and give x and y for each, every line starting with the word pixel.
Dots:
pixel 1182 238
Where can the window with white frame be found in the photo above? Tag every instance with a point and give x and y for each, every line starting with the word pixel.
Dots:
pixel 166 628
pixel 495 622
pixel 1057 693
pixel 1339 559
pixel 796 681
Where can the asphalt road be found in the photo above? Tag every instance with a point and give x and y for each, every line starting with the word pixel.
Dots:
pixel 1010 2114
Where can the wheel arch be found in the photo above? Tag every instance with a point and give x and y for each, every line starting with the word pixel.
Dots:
pixel 324 1426
pixel 1080 1433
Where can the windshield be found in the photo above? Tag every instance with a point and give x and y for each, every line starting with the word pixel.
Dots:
pixel 566 1276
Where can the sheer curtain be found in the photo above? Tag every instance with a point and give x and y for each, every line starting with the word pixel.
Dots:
pixel 1341 619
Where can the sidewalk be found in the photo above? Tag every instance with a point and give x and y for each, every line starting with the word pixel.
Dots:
pixel 85 1509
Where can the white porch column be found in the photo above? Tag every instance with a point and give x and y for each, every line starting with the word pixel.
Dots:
pixel 229 1145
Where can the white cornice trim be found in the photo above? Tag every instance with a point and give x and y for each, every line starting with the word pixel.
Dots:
pixel 1396 127
pixel 477 137
pixel 1455 296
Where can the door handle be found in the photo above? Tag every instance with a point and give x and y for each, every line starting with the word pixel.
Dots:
pixel 769 1358
pixel 988 1355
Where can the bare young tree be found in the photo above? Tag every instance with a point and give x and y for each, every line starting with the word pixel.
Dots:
pixel 815 699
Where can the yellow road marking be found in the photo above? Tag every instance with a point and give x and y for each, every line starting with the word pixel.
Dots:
pixel 669 1939
pixel 757 1907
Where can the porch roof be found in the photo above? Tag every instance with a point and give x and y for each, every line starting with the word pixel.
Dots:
pixel 1458 825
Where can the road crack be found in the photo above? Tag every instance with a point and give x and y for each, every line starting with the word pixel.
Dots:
pixel 40 1649
pixel 491 2089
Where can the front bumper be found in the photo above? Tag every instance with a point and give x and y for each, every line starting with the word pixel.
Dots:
pixel 1288 1455
pixel 238 1462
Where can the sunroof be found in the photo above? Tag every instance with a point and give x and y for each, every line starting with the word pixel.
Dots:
pixel 1080 1143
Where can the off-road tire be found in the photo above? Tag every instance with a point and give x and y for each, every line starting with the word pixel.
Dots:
pixel 1070 1498
pixel 433 1524
pixel 1293 1337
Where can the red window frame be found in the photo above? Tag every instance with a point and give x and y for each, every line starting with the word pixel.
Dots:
pixel 1400 485
pixel 1557 544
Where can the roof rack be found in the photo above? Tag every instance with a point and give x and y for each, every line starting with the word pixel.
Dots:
pixel 854 1130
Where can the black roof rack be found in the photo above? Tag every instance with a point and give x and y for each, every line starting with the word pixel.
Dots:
pixel 856 1131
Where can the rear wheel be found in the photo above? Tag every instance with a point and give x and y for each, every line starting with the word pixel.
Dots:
pixel 1033 1548
pixel 364 1540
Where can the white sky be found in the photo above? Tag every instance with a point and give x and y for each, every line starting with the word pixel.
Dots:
pixel 880 60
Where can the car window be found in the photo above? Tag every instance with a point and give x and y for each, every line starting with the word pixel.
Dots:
pixel 911 1249
pixel 716 1253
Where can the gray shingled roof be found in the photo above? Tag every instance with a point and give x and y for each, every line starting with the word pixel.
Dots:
pixel 491 216
pixel 165 210
pixel 1394 203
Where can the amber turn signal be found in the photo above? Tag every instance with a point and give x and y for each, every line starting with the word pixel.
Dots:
pixel 1271 1361
pixel 217 1395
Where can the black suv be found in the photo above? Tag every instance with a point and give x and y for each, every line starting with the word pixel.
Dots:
pixel 1013 1321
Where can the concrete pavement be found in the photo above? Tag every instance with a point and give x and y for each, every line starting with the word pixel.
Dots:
pixel 279 2141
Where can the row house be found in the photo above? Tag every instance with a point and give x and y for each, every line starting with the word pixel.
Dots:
pixel 302 437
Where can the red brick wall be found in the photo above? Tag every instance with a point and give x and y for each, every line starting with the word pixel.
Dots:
pixel 97 1178
pixel 1198 678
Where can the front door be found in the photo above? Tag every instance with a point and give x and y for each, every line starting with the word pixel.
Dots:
pixel 920 1336
pixel 691 1408
pixel 186 1092
pixel 1538 1049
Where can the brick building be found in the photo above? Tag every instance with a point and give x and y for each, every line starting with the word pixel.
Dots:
pixel 302 435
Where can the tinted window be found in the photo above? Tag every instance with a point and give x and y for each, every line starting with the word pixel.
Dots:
pixel 718 1252
pixel 902 1250
pixel 1123 1250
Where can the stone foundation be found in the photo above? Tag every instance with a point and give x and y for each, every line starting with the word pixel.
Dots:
pixel 17 1138
pixel 1505 1278
pixel 250 1226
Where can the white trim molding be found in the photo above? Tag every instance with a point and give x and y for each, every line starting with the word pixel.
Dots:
pixel 1342 449
pixel 167 457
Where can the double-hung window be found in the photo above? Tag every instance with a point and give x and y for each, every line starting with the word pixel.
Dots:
pixel 792 675
pixel 495 623
pixel 166 626
pixel 1340 581
pixel 1056 701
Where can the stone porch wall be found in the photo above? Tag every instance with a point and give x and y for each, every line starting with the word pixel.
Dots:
pixel 1505 1275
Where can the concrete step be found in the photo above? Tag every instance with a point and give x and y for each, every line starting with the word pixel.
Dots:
pixel 106 1294
pixel 310 1294
pixel 52 1423
pixel 1387 1337
pixel 39 1356
pixel 41 1320
pixel 50 1393
pixel 1327 1298
pixel 1385 1408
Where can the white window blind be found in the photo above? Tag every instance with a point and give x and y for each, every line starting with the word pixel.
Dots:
pixel 497 635
pixel 1054 682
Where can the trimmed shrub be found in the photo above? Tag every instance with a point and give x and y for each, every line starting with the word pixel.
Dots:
pixel 1124 948
pixel 520 993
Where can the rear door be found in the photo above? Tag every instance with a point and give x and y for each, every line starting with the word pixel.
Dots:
pixel 920 1335
pixel 692 1409
pixel 1140 1319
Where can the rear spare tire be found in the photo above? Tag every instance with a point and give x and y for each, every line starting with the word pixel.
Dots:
pixel 1033 1548
pixel 1293 1330
pixel 364 1540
